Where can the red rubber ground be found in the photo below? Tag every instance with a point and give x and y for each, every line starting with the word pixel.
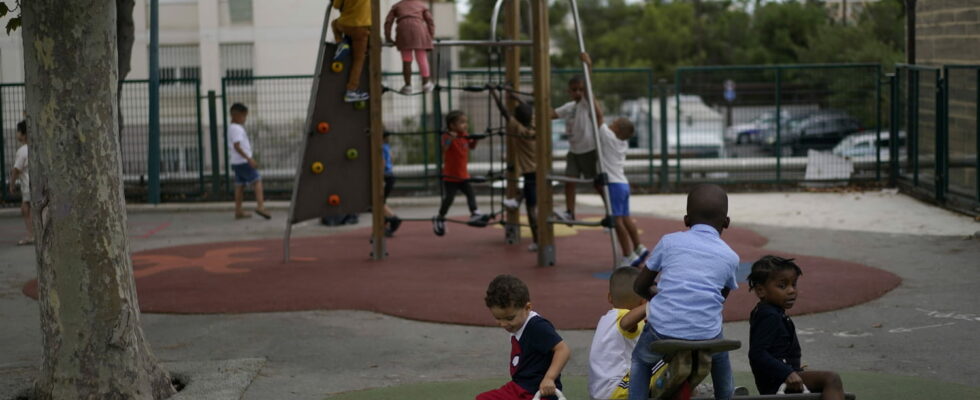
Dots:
pixel 444 279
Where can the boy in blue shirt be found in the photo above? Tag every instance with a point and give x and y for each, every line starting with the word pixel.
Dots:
pixel 537 353
pixel 696 271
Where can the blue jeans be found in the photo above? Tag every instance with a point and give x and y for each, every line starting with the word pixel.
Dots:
pixel 644 360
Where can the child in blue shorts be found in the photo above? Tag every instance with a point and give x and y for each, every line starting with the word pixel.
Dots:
pixel 614 144
pixel 240 157
pixel 696 272
pixel 774 350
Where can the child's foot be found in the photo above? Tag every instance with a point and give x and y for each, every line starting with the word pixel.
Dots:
pixel 395 223
pixel 354 96
pixel 566 216
pixel 342 48
pixel 428 86
pixel 265 214
pixel 439 226
pixel 625 262
pixel 406 90
pixel 639 255
pixel 243 215
pixel 511 203
pixel 25 241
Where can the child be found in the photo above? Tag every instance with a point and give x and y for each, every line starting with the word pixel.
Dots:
pixel 415 32
pixel 580 162
pixel 614 144
pixel 392 222
pixel 240 156
pixel 615 337
pixel 696 273
pixel 520 130
pixel 456 146
pixel 537 353
pixel 774 351
pixel 355 22
pixel 19 177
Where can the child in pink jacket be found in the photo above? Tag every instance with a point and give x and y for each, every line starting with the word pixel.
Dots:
pixel 415 31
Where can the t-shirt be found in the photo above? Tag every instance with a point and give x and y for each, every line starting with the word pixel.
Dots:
pixel 693 266
pixel 353 12
pixel 524 146
pixel 236 134
pixel 774 349
pixel 613 155
pixel 578 126
pixel 20 163
pixel 531 352
pixel 386 154
pixel 456 156
pixel 610 357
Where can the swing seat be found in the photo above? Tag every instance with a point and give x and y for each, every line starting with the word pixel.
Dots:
pixel 688 362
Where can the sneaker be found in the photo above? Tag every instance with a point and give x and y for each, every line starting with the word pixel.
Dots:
pixel 406 90
pixel 354 96
pixel 476 218
pixel 439 226
pixel 511 203
pixel 342 48
pixel 428 87
pixel 566 216
pixel 625 262
pixel 640 255
pixel 533 247
pixel 741 391
pixel 394 224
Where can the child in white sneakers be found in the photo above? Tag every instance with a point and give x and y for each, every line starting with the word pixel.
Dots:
pixel 614 144
pixel 414 37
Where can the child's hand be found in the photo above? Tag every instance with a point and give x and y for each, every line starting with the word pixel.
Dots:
pixel 547 387
pixel 253 163
pixel 586 59
pixel 794 384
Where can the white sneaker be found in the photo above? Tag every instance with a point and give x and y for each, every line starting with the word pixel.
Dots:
pixel 428 87
pixel 406 90
pixel 626 262
pixel 532 247
pixel 511 203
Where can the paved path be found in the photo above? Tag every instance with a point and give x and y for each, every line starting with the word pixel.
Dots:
pixel 926 327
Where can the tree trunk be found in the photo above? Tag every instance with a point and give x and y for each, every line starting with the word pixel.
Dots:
pixel 93 344
pixel 125 36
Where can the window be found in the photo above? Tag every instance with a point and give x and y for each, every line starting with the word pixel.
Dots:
pixel 191 159
pixel 169 159
pixel 240 11
pixel 236 63
pixel 179 62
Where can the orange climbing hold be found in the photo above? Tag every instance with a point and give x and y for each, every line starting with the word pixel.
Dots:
pixel 323 127
pixel 333 200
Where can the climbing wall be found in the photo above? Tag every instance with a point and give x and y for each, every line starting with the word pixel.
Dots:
pixel 334 177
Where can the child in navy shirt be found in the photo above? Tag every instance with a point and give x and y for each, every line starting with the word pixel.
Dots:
pixel 774 350
pixel 537 353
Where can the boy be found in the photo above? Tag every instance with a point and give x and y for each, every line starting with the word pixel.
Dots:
pixel 240 156
pixel 696 273
pixel 355 22
pixel 615 337
pixel 19 177
pixel 537 353
pixel 520 130
pixel 774 350
pixel 614 144
pixel 580 162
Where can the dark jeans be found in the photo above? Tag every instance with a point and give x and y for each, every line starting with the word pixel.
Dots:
pixel 449 195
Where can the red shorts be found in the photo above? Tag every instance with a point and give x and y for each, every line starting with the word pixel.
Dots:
pixel 510 391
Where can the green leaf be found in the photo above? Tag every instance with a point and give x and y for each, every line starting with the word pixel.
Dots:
pixel 4 9
pixel 13 24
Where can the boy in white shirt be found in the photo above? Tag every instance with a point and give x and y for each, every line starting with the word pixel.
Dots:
pixel 240 156
pixel 615 337
pixel 19 179
pixel 614 145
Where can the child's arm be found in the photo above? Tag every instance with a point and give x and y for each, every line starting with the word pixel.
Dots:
pixel 447 139
pixel 644 286
pixel 500 104
pixel 238 148
pixel 389 20
pixel 632 319
pixel 764 333
pixel 14 175
pixel 430 23
pixel 558 361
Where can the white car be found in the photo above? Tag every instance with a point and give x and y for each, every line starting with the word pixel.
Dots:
pixel 862 144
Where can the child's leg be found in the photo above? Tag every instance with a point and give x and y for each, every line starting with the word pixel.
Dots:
pixel 470 197
pixel 407 66
pixel 623 237
pixel 721 375
pixel 828 383
pixel 359 39
pixel 259 195
pixel 25 211
pixel 338 35
pixel 422 58
pixel 632 231
pixel 239 194
pixel 642 362
pixel 449 195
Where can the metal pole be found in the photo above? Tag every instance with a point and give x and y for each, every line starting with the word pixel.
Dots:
pixel 664 171
pixel 940 167
pixel 878 124
pixel 595 123
pixel 650 127
pixel 893 131
pixel 153 152
pixel 779 126
pixel 213 129
pixel 378 251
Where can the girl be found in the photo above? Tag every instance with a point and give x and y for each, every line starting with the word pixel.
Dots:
pixel 774 350
pixel 456 145
pixel 415 32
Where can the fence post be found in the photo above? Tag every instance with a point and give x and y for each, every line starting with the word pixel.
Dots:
pixel 677 121
pixel 941 167
pixel 664 169
pixel 213 130
pixel 200 138
pixel 976 171
pixel 894 107
pixel 912 136
pixel 224 119
pixel 649 96
pixel 3 147
pixel 779 126
pixel 878 124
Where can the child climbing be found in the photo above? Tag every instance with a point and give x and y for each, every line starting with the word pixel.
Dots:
pixel 414 37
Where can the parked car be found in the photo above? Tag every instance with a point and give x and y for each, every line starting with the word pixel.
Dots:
pixel 701 127
pixel 820 130
pixel 750 132
pixel 863 144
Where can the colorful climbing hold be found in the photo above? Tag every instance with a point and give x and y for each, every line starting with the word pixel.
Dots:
pixel 323 127
pixel 333 200
pixel 337 66
pixel 360 105
pixel 351 154
pixel 316 167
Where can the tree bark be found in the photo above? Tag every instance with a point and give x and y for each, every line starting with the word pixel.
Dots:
pixel 125 36
pixel 94 347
